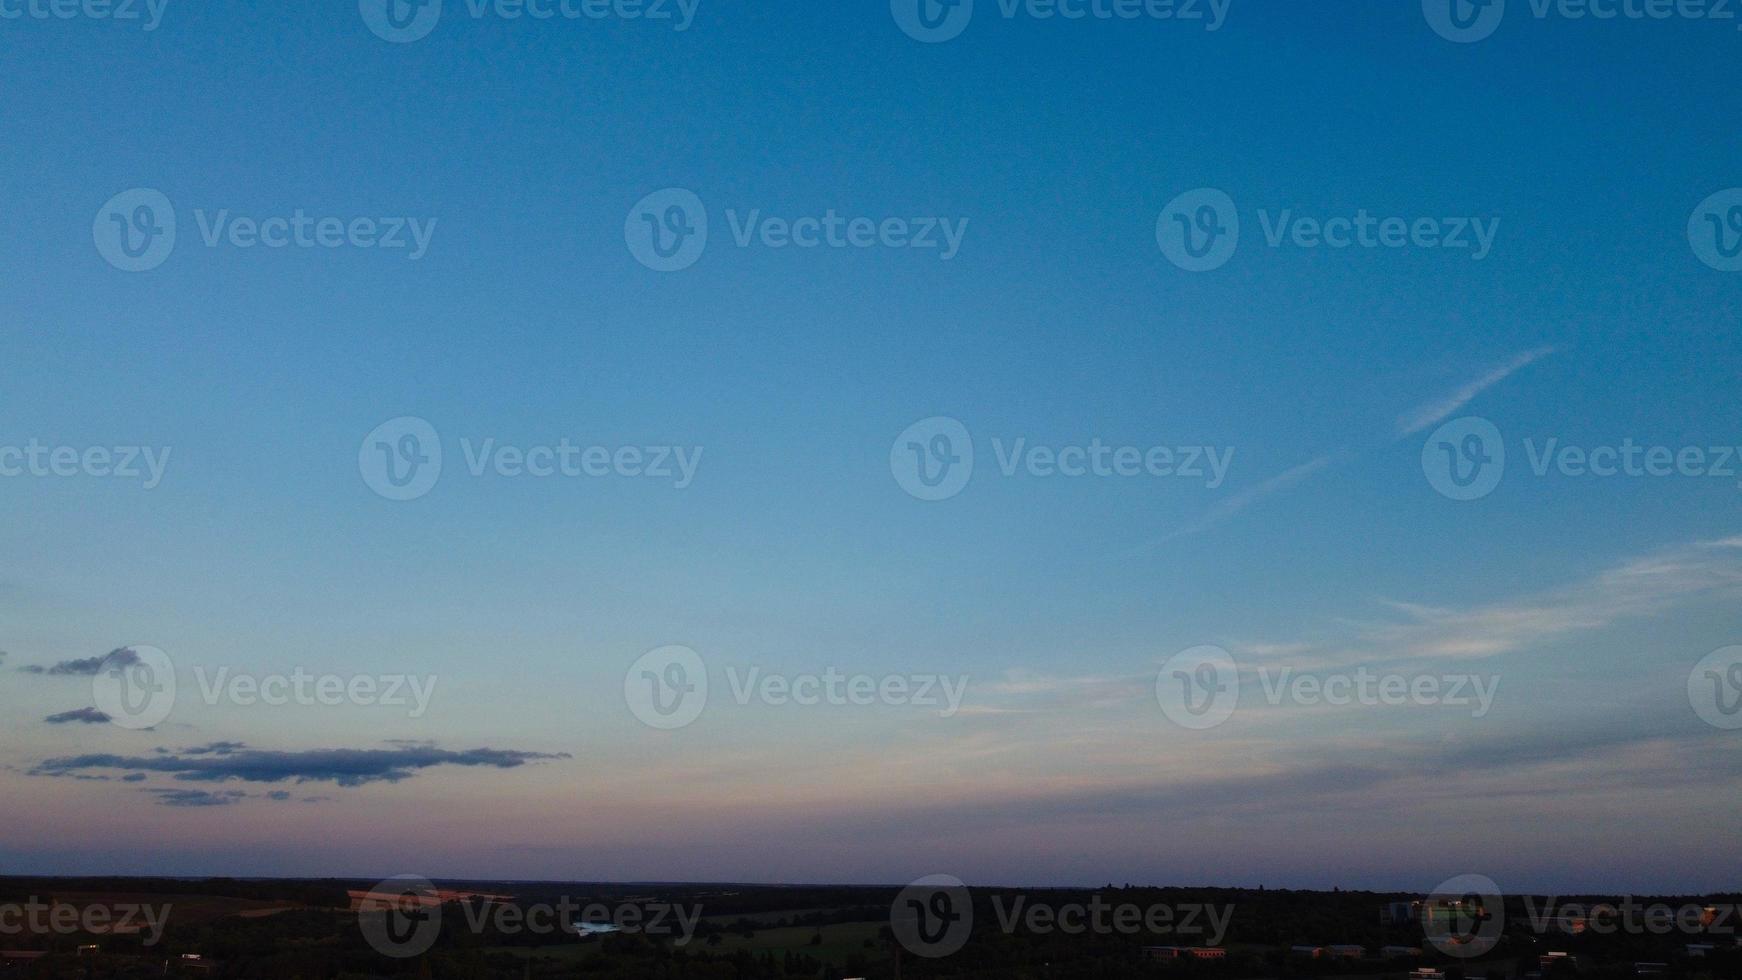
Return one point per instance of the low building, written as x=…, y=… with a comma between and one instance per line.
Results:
x=1185, y=952
x=1307, y=952
x=1398, y=952
x=1346, y=952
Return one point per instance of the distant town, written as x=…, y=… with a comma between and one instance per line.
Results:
x=932, y=928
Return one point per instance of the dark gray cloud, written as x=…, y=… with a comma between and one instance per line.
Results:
x=343, y=767
x=88, y=716
x=87, y=667
x=214, y=748
x=196, y=797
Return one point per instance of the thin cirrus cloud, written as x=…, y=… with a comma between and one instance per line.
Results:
x=1428, y=413
x=1632, y=589
x=342, y=767
x=1409, y=423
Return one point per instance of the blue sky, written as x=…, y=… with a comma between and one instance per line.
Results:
x=1060, y=321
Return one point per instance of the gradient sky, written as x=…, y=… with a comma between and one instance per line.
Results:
x=1059, y=322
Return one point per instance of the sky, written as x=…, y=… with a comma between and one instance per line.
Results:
x=797, y=385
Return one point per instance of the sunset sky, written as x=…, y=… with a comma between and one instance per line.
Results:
x=795, y=549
